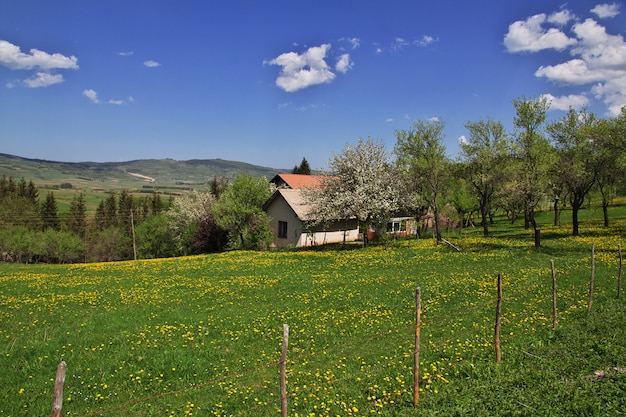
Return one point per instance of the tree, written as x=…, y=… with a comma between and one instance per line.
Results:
x=155, y=237
x=575, y=164
x=193, y=224
x=125, y=204
x=110, y=244
x=19, y=203
x=361, y=184
x=485, y=153
x=49, y=213
x=240, y=211
x=77, y=222
x=303, y=169
x=218, y=186
x=534, y=154
x=421, y=156
x=609, y=138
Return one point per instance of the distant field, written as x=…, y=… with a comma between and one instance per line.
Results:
x=202, y=335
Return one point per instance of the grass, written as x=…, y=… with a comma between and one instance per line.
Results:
x=202, y=335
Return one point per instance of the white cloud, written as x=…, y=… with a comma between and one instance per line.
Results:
x=530, y=36
x=560, y=18
x=43, y=79
x=151, y=64
x=597, y=58
x=424, y=41
x=575, y=101
x=604, y=11
x=354, y=42
x=463, y=140
x=12, y=57
x=399, y=44
x=303, y=70
x=344, y=63
x=91, y=95
x=389, y=120
x=125, y=53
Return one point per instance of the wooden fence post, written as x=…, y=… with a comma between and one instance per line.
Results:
x=619, y=275
x=593, y=275
x=418, y=327
x=283, y=372
x=57, y=400
x=496, y=336
x=554, y=313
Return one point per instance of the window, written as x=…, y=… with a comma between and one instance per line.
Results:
x=396, y=225
x=282, y=229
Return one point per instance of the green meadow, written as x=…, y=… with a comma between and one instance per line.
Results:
x=202, y=335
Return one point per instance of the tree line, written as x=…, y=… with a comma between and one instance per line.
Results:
x=560, y=162
x=125, y=226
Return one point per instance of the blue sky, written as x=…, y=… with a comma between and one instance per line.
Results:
x=269, y=83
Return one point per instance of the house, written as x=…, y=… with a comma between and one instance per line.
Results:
x=289, y=215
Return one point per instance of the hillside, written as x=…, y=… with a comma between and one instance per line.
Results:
x=138, y=174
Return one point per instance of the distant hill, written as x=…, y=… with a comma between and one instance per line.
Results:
x=138, y=174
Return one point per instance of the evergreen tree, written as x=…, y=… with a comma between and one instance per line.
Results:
x=303, y=169
x=124, y=211
x=110, y=211
x=78, y=216
x=218, y=186
x=156, y=205
x=49, y=213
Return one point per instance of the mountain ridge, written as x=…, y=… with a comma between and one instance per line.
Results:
x=127, y=174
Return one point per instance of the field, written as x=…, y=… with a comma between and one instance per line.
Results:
x=202, y=335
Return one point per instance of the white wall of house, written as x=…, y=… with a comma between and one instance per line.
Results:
x=279, y=211
x=282, y=215
x=339, y=232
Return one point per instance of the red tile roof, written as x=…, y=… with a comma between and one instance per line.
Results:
x=298, y=181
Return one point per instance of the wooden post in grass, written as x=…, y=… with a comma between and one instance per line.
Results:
x=283, y=372
x=496, y=336
x=57, y=400
x=554, y=316
x=416, y=365
x=593, y=275
x=619, y=275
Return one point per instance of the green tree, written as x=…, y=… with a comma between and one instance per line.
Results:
x=534, y=153
x=420, y=154
x=59, y=246
x=609, y=138
x=240, y=211
x=485, y=153
x=575, y=163
x=19, y=203
x=217, y=186
x=108, y=245
x=50, y=213
x=77, y=222
x=155, y=238
x=110, y=211
x=125, y=214
x=303, y=168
